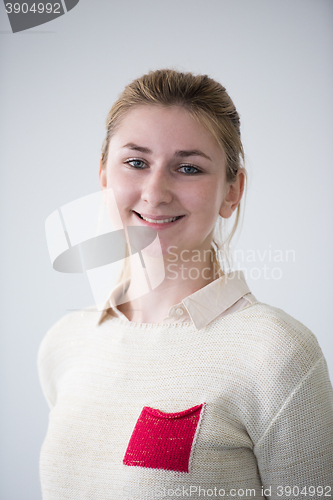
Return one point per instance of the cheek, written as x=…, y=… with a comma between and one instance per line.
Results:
x=125, y=192
x=205, y=202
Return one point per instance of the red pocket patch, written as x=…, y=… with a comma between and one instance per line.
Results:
x=163, y=440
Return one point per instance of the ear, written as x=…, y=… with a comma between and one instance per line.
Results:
x=102, y=179
x=233, y=195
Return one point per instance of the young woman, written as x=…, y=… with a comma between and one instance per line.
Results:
x=194, y=389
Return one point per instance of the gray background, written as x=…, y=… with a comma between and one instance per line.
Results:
x=58, y=82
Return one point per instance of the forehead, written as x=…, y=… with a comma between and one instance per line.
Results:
x=164, y=126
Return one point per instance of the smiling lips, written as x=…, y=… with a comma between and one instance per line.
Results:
x=158, y=219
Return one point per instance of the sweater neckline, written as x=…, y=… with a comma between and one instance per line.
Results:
x=181, y=325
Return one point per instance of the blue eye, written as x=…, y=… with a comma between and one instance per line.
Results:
x=190, y=170
x=134, y=163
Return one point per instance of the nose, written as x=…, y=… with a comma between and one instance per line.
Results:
x=157, y=189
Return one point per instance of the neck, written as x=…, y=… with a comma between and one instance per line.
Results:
x=181, y=280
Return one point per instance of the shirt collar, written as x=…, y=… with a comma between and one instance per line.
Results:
x=204, y=305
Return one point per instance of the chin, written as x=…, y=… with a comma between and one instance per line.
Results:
x=155, y=250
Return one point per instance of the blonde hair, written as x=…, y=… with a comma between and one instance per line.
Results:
x=208, y=102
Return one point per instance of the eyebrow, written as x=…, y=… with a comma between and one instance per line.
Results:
x=182, y=152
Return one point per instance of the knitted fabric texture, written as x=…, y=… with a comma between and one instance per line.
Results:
x=267, y=421
x=163, y=440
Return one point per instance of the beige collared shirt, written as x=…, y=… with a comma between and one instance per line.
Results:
x=223, y=296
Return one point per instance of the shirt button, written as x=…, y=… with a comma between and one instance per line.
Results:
x=179, y=311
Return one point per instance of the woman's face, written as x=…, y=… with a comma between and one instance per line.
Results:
x=168, y=172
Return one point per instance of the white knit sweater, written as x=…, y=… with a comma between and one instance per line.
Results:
x=266, y=424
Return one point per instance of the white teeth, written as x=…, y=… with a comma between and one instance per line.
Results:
x=162, y=221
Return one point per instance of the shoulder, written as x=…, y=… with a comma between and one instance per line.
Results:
x=66, y=330
x=274, y=336
x=271, y=320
